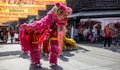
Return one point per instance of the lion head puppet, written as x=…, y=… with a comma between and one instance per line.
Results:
x=61, y=12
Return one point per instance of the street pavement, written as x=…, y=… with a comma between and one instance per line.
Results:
x=86, y=57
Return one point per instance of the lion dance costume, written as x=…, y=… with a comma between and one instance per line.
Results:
x=54, y=48
x=39, y=31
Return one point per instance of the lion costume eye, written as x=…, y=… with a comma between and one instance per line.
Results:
x=60, y=12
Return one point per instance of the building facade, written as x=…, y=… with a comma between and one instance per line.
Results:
x=105, y=11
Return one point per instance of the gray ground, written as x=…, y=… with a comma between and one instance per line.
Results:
x=86, y=57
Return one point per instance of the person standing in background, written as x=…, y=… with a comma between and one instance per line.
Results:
x=5, y=35
x=107, y=35
x=80, y=34
x=75, y=35
x=12, y=35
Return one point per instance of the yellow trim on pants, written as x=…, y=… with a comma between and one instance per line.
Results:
x=54, y=38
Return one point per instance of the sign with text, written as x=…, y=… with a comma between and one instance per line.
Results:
x=20, y=15
x=8, y=19
x=24, y=6
x=18, y=10
x=31, y=2
x=49, y=2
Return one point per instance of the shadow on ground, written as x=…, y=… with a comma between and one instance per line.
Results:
x=32, y=67
x=8, y=53
x=2, y=43
x=24, y=55
x=83, y=49
x=56, y=67
x=14, y=53
x=114, y=48
x=69, y=53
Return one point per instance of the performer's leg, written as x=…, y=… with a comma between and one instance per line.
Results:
x=105, y=41
x=35, y=54
x=109, y=41
x=54, y=52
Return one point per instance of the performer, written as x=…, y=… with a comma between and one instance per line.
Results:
x=34, y=47
x=54, y=48
x=61, y=32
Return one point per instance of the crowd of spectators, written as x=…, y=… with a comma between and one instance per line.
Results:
x=91, y=31
x=5, y=33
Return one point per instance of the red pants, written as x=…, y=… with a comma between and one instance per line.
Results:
x=54, y=52
x=35, y=53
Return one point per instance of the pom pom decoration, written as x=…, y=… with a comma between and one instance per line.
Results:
x=57, y=4
x=69, y=11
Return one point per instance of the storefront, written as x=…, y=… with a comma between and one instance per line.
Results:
x=90, y=18
x=105, y=17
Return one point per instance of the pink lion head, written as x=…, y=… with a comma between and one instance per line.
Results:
x=61, y=13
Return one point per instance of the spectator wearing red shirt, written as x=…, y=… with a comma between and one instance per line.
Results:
x=107, y=35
